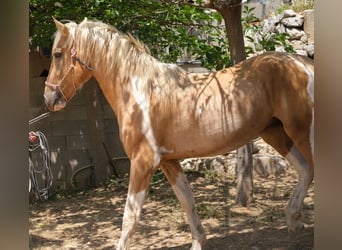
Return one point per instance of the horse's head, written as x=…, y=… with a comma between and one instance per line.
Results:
x=67, y=72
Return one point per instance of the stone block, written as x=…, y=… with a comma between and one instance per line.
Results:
x=111, y=126
x=43, y=127
x=65, y=127
x=114, y=145
x=77, y=112
x=108, y=113
x=56, y=143
x=67, y=162
x=58, y=116
x=74, y=142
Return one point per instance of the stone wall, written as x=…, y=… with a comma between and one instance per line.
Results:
x=300, y=28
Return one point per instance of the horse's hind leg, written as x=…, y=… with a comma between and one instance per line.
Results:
x=140, y=177
x=176, y=177
x=299, y=155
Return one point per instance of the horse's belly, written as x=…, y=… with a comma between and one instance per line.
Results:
x=199, y=142
x=214, y=126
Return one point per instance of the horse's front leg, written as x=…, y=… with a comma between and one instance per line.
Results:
x=140, y=176
x=176, y=177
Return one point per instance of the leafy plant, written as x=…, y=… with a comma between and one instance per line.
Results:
x=167, y=29
x=262, y=41
x=281, y=8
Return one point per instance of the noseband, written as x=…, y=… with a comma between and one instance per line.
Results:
x=74, y=59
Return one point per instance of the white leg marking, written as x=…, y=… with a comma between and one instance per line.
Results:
x=186, y=198
x=294, y=206
x=131, y=216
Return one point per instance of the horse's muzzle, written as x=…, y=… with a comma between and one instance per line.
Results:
x=54, y=100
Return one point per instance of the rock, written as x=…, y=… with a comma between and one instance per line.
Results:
x=297, y=44
x=287, y=13
x=310, y=49
x=301, y=52
x=270, y=24
x=295, y=34
x=293, y=22
x=287, y=22
x=280, y=28
x=187, y=164
x=304, y=38
x=266, y=165
x=218, y=165
x=280, y=48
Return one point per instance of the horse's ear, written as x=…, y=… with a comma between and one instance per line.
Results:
x=61, y=27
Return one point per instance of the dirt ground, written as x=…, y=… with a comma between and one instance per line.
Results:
x=92, y=219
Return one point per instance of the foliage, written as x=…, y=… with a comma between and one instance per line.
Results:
x=266, y=41
x=167, y=29
x=281, y=8
x=301, y=5
x=297, y=6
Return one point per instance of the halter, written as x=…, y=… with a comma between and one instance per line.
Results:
x=74, y=58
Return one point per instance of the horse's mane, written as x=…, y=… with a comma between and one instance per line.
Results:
x=117, y=51
x=107, y=40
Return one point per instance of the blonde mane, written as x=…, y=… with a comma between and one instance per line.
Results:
x=102, y=45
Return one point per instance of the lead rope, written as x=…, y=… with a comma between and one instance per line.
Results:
x=40, y=174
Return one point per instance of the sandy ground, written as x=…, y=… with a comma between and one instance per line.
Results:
x=92, y=219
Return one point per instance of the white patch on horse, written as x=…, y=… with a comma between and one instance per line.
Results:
x=143, y=100
x=305, y=177
x=310, y=89
x=131, y=216
x=165, y=150
x=135, y=202
x=185, y=197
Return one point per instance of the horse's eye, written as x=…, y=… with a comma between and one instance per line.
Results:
x=58, y=54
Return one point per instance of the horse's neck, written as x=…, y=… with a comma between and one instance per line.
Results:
x=133, y=71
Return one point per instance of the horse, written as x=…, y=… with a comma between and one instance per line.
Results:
x=166, y=114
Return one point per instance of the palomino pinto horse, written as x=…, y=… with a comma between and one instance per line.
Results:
x=166, y=114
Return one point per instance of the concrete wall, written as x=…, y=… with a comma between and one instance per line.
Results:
x=67, y=132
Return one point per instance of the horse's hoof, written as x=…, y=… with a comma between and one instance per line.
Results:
x=297, y=231
x=198, y=244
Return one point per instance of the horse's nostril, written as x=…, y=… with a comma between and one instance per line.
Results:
x=55, y=101
x=48, y=102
